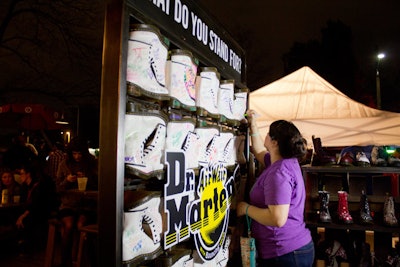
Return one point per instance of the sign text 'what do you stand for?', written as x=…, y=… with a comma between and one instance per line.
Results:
x=200, y=30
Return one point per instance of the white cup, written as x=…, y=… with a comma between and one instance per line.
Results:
x=82, y=181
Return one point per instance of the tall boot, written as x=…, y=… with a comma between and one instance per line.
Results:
x=147, y=57
x=207, y=88
x=181, y=137
x=225, y=147
x=321, y=157
x=142, y=208
x=343, y=209
x=324, y=215
x=180, y=78
x=226, y=99
x=145, y=135
x=240, y=104
x=365, y=214
x=389, y=217
x=207, y=152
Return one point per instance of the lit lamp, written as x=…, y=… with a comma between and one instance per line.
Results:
x=378, y=81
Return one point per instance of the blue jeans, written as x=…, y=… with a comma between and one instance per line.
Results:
x=302, y=257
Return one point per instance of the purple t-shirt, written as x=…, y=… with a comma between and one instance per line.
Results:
x=280, y=183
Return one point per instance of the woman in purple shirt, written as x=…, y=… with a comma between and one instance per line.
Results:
x=278, y=196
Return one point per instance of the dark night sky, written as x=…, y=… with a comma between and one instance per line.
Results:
x=273, y=27
x=270, y=28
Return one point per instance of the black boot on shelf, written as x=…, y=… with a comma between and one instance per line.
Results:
x=363, y=257
x=365, y=214
x=321, y=157
x=324, y=215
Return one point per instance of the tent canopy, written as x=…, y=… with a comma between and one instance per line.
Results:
x=317, y=108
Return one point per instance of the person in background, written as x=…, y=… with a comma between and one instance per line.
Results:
x=277, y=198
x=19, y=154
x=37, y=192
x=78, y=163
x=56, y=156
x=8, y=182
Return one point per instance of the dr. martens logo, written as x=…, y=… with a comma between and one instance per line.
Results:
x=202, y=211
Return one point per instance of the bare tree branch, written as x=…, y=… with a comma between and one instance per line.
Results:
x=51, y=46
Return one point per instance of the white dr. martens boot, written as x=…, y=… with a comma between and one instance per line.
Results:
x=145, y=135
x=147, y=56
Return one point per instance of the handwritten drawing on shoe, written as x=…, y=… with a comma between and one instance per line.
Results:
x=145, y=135
x=146, y=60
x=207, y=88
x=181, y=71
x=142, y=208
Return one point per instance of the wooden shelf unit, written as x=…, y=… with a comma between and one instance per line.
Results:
x=376, y=181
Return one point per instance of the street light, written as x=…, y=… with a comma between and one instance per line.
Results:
x=378, y=81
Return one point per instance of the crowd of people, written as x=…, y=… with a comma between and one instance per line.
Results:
x=37, y=185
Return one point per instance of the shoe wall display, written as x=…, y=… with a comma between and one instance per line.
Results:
x=177, y=105
x=172, y=143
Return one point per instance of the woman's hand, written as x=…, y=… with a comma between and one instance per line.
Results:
x=251, y=115
x=71, y=178
x=20, y=220
x=241, y=208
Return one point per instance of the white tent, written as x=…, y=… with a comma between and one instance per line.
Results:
x=317, y=108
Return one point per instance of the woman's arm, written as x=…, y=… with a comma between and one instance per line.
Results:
x=64, y=177
x=20, y=221
x=257, y=143
x=274, y=215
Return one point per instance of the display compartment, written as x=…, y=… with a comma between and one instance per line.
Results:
x=377, y=183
